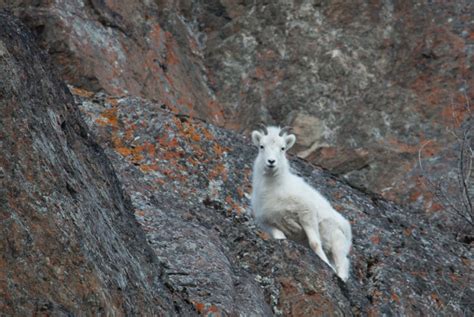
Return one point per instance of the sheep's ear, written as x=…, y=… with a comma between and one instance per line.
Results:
x=256, y=137
x=290, y=141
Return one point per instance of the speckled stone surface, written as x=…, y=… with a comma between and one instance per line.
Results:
x=366, y=84
x=189, y=182
x=121, y=205
x=69, y=243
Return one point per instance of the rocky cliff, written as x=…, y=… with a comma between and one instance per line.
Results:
x=189, y=182
x=369, y=86
x=122, y=200
x=69, y=242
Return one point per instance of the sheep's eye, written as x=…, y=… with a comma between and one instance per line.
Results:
x=261, y=146
x=282, y=148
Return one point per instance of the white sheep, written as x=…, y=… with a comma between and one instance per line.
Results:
x=285, y=206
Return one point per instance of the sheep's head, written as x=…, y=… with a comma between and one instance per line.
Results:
x=273, y=143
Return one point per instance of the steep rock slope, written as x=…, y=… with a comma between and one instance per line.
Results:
x=365, y=84
x=69, y=243
x=67, y=227
x=189, y=185
x=121, y=48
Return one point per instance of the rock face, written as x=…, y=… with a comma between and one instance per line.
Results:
x=69, y=243
x=189, y=182
x=116, y=205
x=120, y=47
x=367, y=85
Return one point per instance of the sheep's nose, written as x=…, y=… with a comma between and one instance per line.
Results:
x=271, y=162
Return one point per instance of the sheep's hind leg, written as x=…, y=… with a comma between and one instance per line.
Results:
x=276, y=233
x=314, y=240
x=340, y=249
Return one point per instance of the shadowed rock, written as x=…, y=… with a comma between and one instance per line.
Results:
x=69, y=243
x=120, y=47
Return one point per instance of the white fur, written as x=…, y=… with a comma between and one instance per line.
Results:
x=285, y=206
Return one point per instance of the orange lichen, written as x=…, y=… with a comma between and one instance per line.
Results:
x=129, y=133
x=213, y=309
x=171, y=58
x=183, y=144
x=173, y=143
x=218, y=149
x=178, y=123
x=419, y=273
x=219, y=171
x=427, y=147
x=437, y=300
x=454, y=277
x=170, y=155
x=233, y=205
x=263, y=235
x=375, y=239
x=109, y=117
x=81, y=92
x=191, y=134
x=207, y=134
x=395, y=298
x=259, y=73
x=373, y=312
x=216, y=112
x=415, y=195
x=435, y=207
x=139, y=213
x=149, y=167
x=112, y=101
x=199, y=306
x=150, y=149
x=229, y=200
x=123, y=150
x=155, y=35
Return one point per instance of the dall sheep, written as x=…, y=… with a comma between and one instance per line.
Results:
x=285, y=206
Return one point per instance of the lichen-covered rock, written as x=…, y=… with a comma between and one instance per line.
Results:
x=368, y=84
x=120, y=47
x=69, y=243
x=189, y=182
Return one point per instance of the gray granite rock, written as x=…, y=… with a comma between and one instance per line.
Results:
x=75, y=182
x=69, y=243
x=189, y=182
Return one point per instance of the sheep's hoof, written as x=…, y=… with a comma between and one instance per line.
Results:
x=344, y=277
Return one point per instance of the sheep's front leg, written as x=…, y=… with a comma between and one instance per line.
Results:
x=314, y=239
x=276, y=233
